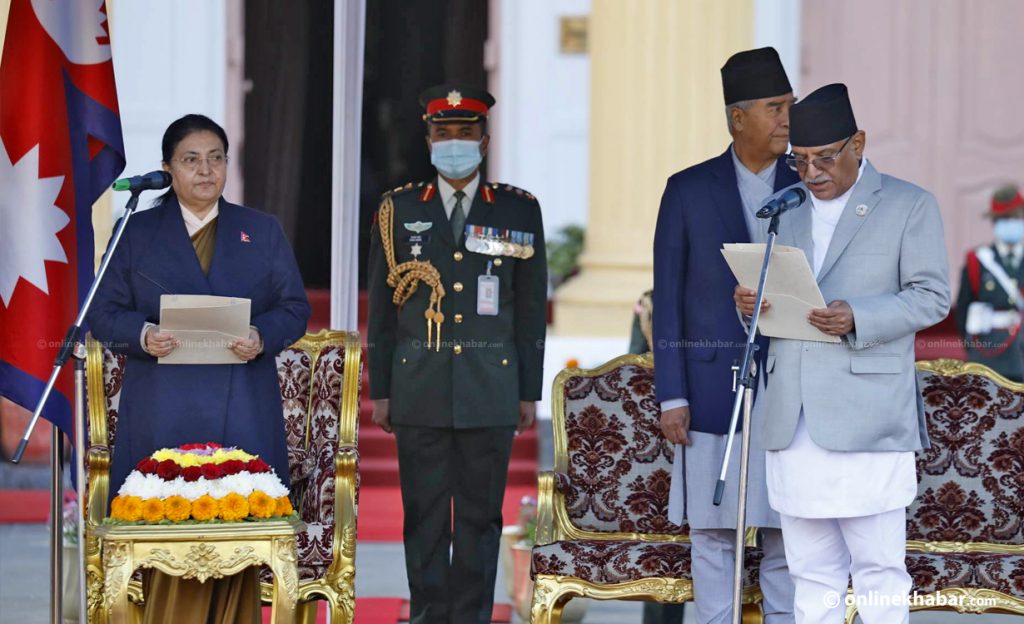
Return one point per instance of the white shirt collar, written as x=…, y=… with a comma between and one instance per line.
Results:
x=1009, y=252
x=838, y=203
x=193, y=223
x=448, y=194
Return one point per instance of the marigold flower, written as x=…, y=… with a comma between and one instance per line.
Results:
x=152, y=510
x=177, y=508
x=131, y=508
x=261, y=505
x=117, y=508
x=284, y=506
x=205, y=508
x=234, y=507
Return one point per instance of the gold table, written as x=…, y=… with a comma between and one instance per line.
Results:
x=201, y=552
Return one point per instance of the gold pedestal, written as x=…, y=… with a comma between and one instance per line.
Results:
x=201, y=552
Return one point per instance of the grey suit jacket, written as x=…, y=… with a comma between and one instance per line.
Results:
x=890, y=265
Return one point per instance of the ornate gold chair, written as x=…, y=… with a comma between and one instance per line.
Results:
x=965, y=529
x=602, y=525
x=320, y=379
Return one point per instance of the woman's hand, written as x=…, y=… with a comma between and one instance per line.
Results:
x=160, y=344
x=247, y=348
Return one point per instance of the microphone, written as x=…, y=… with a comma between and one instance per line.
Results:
x=787, y=201
x=152, y=181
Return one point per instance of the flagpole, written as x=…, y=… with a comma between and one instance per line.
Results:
x=56, y=526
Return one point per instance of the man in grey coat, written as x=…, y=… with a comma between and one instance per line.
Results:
x=843, y=420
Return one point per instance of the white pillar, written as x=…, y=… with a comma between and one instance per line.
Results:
x=349, y=32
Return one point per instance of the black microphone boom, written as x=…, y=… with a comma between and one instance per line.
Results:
x=152, y=181
x=787, y=201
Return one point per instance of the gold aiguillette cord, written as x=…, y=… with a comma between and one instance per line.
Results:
x=405, y=277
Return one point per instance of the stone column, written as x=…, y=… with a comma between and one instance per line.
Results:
x=656, y=108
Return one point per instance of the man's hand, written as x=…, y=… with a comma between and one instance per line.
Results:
x=381, y=415
x=527, y=415
x=835, y=320
x=745, y=299
x=160, y=344
x=675, y=424
x=247, y=348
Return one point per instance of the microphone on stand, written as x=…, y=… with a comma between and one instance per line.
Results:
x=787, y=201
x=152, y=181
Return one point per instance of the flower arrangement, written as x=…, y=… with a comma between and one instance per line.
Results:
x=200, y=483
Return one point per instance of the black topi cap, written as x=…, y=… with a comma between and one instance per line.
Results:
x=753, y=75
x=450, y=102
x=822, y=118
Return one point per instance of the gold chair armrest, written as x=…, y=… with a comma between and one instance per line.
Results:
x=548, y=497
x=98, y=462
x=346, y=470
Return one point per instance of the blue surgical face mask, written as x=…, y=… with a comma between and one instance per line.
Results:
x=455, y=158
x=1010, y=231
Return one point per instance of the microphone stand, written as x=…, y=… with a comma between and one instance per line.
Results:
x=745, y=399
x=71, y=347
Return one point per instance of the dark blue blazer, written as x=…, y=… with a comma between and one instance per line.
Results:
x=697, y=334
x=169, y=405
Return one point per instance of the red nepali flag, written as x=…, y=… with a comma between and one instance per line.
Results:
x=60, y=133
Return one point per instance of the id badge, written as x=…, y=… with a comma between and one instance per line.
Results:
x=487, y=295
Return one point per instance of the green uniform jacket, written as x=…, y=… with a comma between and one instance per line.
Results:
x=486, y=364
x=1007, y=361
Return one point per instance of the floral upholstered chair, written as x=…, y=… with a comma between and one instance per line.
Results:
x=602, y=526
x=965, y=529
x=320, y=379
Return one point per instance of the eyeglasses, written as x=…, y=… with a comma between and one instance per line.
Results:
x=192, y=162
x=821, y=162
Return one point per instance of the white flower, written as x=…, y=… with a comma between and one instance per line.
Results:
x=195, y=489
x=143, y=486
x=270, y=484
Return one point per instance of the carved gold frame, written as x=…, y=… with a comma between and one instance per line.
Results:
x=551, y=592
x=338, y=584
x=972, y=597
x=200, y=552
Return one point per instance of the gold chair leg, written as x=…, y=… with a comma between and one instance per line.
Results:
x=752, y=614
x=342, y=609
x=305, y=612
x=548, y=601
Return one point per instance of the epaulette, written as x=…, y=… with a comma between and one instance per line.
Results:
x=512, y=190
x=402, y=189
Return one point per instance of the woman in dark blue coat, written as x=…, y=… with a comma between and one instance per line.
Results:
x=195, y=242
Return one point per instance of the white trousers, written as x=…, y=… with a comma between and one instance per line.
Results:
x=713, y=555
x=823, y=553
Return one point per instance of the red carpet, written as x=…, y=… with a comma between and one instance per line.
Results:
x=368, y=611
x=380, y=511
x=24, y=506
x=390, y=611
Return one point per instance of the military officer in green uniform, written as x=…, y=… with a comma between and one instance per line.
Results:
x=988, y=309
x=458, y=314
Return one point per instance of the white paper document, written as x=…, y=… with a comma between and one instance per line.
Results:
x=205, y=325
x=790, y=288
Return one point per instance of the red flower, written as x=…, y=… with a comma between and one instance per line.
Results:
x=147, y=466
x=192, y=473
x=212, y=471
x=168, y=470
x=199, y=446
x=257, y=465
x=232, y=466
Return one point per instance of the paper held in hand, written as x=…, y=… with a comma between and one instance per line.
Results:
x=205, y=325
x=790, y=288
